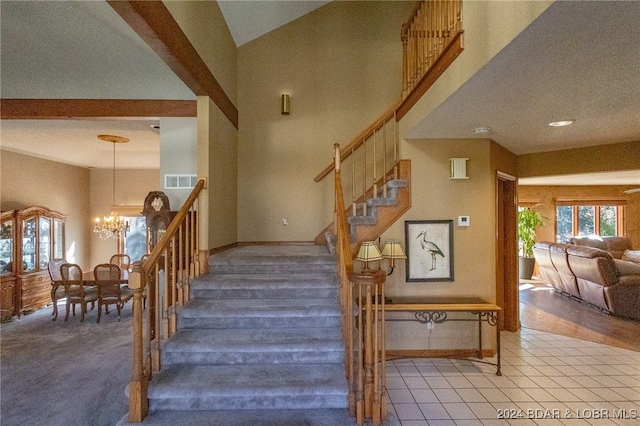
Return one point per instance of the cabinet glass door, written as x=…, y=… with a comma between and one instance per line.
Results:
x=58, y=239
x=29, y=244
x=45, y=243
x=6, y=247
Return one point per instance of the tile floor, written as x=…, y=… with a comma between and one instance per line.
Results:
x=546, y=379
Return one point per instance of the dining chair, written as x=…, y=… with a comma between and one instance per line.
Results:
x=75, y=290
x=57, y=289
x=122, y=260
x=110, y=291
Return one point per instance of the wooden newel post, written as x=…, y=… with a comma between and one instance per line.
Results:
x=371, y=280
x=138, y=401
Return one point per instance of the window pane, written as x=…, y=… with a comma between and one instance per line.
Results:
x=608, y=219
x=586, y=220
x=564, y=220
x=135, y=242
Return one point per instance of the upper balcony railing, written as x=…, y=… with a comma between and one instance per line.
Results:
x=431, y=28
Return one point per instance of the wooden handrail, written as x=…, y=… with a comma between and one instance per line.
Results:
x=431, y=40
x=359, y=140
x=365, y=363
x=173, y=226
x=176, y=255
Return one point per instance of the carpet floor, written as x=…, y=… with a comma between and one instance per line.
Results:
x=65, y=373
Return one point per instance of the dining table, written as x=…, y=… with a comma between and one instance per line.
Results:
x=88, y=280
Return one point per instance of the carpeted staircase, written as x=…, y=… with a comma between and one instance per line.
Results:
x=371, y=218
x=259, y=343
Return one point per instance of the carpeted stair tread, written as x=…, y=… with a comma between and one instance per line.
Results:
x=362, y=220
x=266, y=417
x=213, y=307
x=275, y=255
x=259, y=281
x=260, y=286
x=397, y=183
x=382, y=201
x=245, y=340
x=193, y=381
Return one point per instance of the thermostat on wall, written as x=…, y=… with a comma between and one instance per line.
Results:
x=463, y=220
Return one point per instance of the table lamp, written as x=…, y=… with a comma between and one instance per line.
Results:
x=393, y=250
x=368, y=253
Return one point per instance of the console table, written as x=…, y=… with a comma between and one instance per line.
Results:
x=434, y=310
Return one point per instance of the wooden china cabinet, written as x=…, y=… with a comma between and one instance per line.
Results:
x=40, y=238
x=7, y=264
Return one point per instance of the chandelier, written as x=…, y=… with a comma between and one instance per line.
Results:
x=112, y=226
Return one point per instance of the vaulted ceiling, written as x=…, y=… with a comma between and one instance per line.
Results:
x=578, y=60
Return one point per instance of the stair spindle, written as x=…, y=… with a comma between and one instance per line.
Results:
x=375, y=183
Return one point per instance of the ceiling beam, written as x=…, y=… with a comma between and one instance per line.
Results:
x=60, y=109
x=153, y=22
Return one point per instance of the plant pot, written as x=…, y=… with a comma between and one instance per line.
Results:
x=527, y=264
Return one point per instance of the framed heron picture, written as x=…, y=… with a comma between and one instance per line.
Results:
x=429, y=245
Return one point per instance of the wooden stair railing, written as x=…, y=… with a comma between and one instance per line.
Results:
x=371, y=160
x=431, y=40
x=364, y=343
x=432, y=26
x=163, y=278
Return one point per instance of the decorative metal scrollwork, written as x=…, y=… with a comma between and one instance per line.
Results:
x=424, y=317
x=490, y=317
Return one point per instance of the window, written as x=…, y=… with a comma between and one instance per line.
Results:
x=586, y=219
x=135, y=241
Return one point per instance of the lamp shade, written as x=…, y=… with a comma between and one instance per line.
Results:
x=393, y=250
x=368, y=252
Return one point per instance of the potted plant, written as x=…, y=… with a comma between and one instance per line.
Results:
x=529, y=219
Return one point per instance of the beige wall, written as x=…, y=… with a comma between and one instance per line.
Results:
x=178, y=154
x=218, y=162
x=546, y=197
x=28, y=181
x=132, y=186
x=216, y=140
x=205, y=27
x=341, y=65
x=611, y=157
x=434, y=196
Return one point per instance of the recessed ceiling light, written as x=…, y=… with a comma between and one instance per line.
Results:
x=481, y=130
x=561, y=123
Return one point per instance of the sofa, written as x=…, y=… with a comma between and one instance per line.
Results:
x=591, y=275
x=616, y=246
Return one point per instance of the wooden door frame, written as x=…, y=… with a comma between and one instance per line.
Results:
x=507, y=292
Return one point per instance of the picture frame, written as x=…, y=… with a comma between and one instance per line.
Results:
x=429, y=247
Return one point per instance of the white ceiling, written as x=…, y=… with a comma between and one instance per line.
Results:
x=579, y=60
x=248, y=20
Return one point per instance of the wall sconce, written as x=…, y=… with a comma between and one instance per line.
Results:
x=458, y=168
x=369, y=252
x=285, y=104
